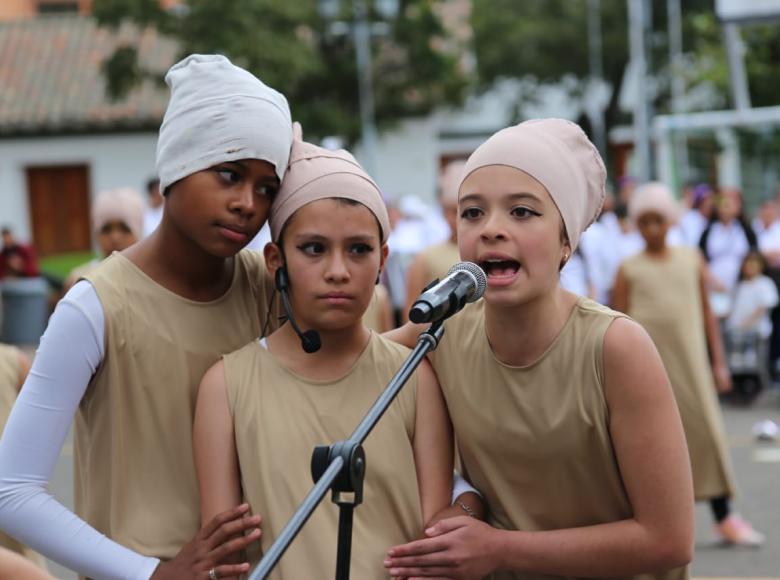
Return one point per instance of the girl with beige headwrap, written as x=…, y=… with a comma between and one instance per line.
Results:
x=664, y=289
x=269, y=404
x=126, y=348
x=561, y=408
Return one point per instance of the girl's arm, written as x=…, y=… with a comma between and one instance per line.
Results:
x=650, y=447
x=720, y=369
x=433, y=445
x=620, y=292
x=16, y=567
x=216, y=459
x=213, y=440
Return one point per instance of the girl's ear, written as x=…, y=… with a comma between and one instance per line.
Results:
x=273, y=258
x=383, y=253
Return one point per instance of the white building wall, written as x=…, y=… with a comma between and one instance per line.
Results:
x=113, y=160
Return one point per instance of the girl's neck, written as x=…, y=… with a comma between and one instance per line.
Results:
x=181, y=266
x=519, y=335
x=658, y=252
x=339, y=351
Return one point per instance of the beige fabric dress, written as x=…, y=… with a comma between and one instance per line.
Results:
x=535, y=440
x=9, y=382
x=279, y=417
x=135, y=476
x=439, y=259
x=665, y=297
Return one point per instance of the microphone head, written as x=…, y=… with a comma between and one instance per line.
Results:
x=479, y=278
x=310, y=341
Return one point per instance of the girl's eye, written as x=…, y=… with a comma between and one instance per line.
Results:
x=266, y=190
x=312, y=248
x=228, y=175
x=471, y=213
x=523, y=212
x=361, y=249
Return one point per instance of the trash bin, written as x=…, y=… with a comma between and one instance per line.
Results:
x=25, y=303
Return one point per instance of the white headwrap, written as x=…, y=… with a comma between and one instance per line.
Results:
x=219, y=112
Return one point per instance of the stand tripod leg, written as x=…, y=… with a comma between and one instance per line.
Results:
x=345, y=541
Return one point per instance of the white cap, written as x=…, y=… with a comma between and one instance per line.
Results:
x=219, y=112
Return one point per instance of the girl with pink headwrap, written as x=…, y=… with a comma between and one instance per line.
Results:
x=562, y=411
x=270, y=403
x=117, y=222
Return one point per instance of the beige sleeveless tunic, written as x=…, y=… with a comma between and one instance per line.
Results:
x=373, y=317
x=135, y=474
x=279, y=417
x=535, y=440
x=665, y=298
x=439, y=259
x=9, y=381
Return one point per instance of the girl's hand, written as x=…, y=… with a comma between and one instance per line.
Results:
x=722, y=378
x=458, y=548
x=225, y=535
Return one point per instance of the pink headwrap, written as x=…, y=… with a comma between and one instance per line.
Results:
x=653, y=197
x=557, y=154
x=124, y=204
x=315, y=173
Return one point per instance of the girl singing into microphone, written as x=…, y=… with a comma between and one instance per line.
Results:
x=562, y=412
x=262, y=409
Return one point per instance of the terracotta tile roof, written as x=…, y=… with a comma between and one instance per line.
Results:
x=51, y=79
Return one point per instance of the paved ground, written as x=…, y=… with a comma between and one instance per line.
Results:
x=757, y=466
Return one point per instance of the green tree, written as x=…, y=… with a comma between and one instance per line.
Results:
x=288, y=45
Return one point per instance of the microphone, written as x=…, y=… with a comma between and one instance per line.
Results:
x=310, y=340
x=465, y=282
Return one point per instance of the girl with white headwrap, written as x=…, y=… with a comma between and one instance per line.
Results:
x=271, y=403
x=126, y=348
x=561, y=408
x=664, y=289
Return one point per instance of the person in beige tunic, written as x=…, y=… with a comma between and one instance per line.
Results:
x=126, y=348
x=563, y=415
x=263, y=409
x=117, y=223
x=435, y=262
x=663, y=288
x=14, y=366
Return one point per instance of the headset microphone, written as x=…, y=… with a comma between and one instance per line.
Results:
x=310, y=340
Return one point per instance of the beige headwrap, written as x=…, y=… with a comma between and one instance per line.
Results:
x=315, y=173
x=449, y=181
x=653, y=197
x=219, y=112
x=124, y=204
x=558, y=154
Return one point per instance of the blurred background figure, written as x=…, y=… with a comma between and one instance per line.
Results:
x=725, y=242
x=748, y=326
x=576, y=276
x=117, y=222
x=436, y=260
x=662, y=288
x=17, y=260
x=695, y=219
x=154, y=206
x=14, y=366
x=766, y=217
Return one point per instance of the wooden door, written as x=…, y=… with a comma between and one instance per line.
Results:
x=59, y=208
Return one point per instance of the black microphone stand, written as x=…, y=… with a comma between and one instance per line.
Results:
x=341, y=468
